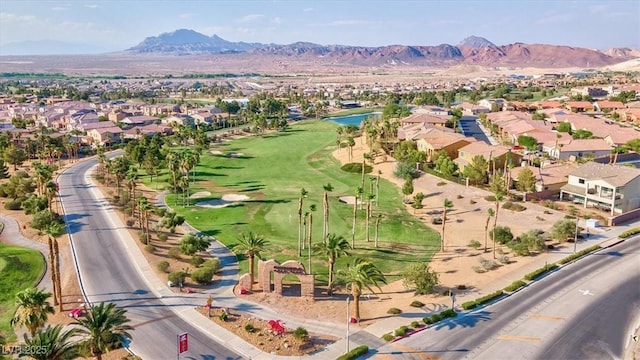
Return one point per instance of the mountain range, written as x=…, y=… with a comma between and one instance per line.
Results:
x=472, y=50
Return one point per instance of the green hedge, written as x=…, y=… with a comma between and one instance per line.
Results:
x=579, y=254
x=449, y=313
x=355, y=353
x=629, y=233
x=485, y=299
x=515, y=286
x=536, y=274
x=469, y=305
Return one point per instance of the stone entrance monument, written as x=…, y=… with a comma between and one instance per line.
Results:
x=279, y=271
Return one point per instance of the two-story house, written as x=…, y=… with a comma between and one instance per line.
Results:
x=613, y=188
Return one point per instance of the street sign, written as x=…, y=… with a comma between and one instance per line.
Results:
x=183, y=343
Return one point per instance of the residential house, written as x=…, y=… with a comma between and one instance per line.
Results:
x=580, y=148
x=548, y=178
x=105, y=136
x=139, y=120
x=498, y=154
x=434, y=140
x=471, y=109
x=579, y=106
x=493, y=104
x=419, y=118
x=608, y=187
x=608, y=106
x=431, y=110
x=178, y=119
x=547, y=104
x=116, y=116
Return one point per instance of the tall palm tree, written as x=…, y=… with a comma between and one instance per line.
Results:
x=378, y=219
x=355, y=214
x=104, y=328
x=333, y=248
x=251, y=245
x=447, y=204
x=312, y=208
x=303, y=194
x=131, y=177
x=53, y=344
x=359, y=275
x=50, y=191
x=325, y=208
x=490, y=214
x=499, y=196
x=33, y=309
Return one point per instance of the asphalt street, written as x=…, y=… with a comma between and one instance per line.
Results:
x=584, y=311
x=108, y=274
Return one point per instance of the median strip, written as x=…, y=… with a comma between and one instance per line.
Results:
x=519, y=338
x=546, y=317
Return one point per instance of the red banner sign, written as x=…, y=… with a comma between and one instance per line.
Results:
x=183, y=343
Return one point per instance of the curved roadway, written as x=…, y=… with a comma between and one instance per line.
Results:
x=585, y=311
x=108, y=274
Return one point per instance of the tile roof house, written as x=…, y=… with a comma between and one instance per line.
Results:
x=579, y=106
x=472, y=109
x=550, y=177
x=497, y=153
x=580, y=148
x=422, y=118
x=608, y=187
x=104, y=136
x=607, y=106
x=433, y=140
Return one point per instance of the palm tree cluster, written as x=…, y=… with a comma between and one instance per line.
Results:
x=100, y=328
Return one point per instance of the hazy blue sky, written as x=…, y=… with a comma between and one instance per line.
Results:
x=119, y=24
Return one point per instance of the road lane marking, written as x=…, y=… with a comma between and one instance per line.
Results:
x=416, y=352
x=519, y=338
x=586, y=292
x=546, y=317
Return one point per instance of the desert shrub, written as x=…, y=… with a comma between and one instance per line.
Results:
x=436, y=317
x=388, y=337
x=579, y=254
x=301, y=333
x=355, y=353
x=144, y=238
x=249, y=328
x=462, y=287
x=356, y=168
x=490, y=198
x=459, y=196
x=128, y=211
x=202, y=275
x=441, y=183
x=13, y=205
x=177, y=277
x=472, y=202
x=212, y=263
x=469, y=305
x=427, y=320
x=223, y=316
x=163, y=266
x=449, y=313
x=394, y=311
x=175, y=252
x=415, y=324
x=417, y=304
x=163, y=237
x=629, y=233
x=196, y=260
x=150, y=248
x=515, y=286
x=485, y=299
x=488, y=264
x=420, y=277
x=475, y=244
x=547, y=212
x=504, y=259
x=401, y=331
x=539, y=272
x=503, y=234
x=513, y=206
x=160, y=211
x=478, y=269
x=130, y=222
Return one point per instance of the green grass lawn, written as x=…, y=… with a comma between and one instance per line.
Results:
x=271, y=171
x=20, y=268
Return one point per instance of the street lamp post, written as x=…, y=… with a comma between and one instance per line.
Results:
x=575, y=236
x=348, y=322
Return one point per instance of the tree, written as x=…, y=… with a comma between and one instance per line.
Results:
x=355, y=215
x=251, y=245
x=497, y=184
x=53, y=344
x=563, y=230
x=417, y=201
x=191, y=244
x=325, y=208
x=498, y=197
x=444, y=165
x=375, y=239
x=15, y=156
x=501, y=234
x=528, y=142
x=477, y=170
x=490, y=214
x=303, y=194
x=104, y=327
x=446, y=205
x=526, y=180
x=33, y=309
x=359, y=275
x=312, y=209
x=333, y=248
x=582, y=134
x=407, y=187
x=564, y=127
x=420, y=277
x=4, y=171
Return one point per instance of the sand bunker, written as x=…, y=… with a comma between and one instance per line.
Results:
x=235, y=154
x=348, y=199
x=216, y=152
x=226, y=200
x=200, y=195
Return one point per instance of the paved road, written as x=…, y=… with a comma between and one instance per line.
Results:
x=109, y=274
x=587, y=310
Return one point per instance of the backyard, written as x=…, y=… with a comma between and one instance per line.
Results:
x=270, y=171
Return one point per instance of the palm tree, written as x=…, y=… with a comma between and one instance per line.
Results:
x=33, y=309
x=105, y=327
x=50, y=191
x=303, y=194
x=312, y=208
x=490, y=214
x=378, y=219
x=333, y=248
x=251, y=245
x=53, y=343
x=325, y=208
x=499, y=198
x=355, y=214
x=361, y=274
x=445, y=206
x=131, y=177
x=351, y=143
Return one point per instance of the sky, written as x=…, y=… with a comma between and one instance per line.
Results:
x=119, y=24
